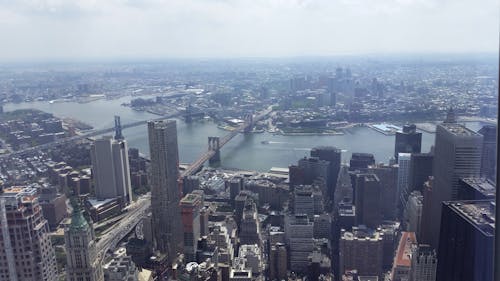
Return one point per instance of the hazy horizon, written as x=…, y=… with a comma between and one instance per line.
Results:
x=79, y=30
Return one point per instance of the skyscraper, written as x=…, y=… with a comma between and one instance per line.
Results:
x=343, y=191
x=408, y=141
x=404, y=160
x=332, y=155
x=467, y=234
x=190, y=210
x=368, y=210
x=420, y=170
x=110, y=168
x=81, y=252
x=299, y=231
x=165, y=189
x=388, y=176
x=457, y=154
x=489, y=161
x=26, y=250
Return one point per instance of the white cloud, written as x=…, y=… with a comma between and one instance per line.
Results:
x=73, y=29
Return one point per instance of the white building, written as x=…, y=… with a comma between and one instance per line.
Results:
x=110, y=168
x=404, y=160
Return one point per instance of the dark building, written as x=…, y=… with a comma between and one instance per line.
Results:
x=368, y=204
x=476, y=189
x=314, y=169
x=332, y=155
x=361, y=161
x=488, y=159
x=408, y=141
x=457, y=154
x=388, y=176
x=466, y=241
x=420, y=170
x=296, y=176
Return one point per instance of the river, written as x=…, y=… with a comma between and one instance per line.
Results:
x=244, y=151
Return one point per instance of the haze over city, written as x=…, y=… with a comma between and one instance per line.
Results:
x=75, y=30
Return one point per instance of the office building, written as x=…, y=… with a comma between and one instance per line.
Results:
x=81, y=253
x=165, y=190
x=368, y=204
x=388, y=176
x=26, y=250
x=361, y=249
x=332, y=155
x=404, y=160
x=253, y=258
x=278, y=262
x=413, y=213
x=420, y=170
x=316, y=170
x=423, y=263
x=390, y=231
x=361, y=161
x=343, y=191
x=467, y=232
x=457, y=155
x=476, y=189
x=323, y=226
x=53, y=205
x=299, y=231
x=120, y=268
x=408, y=141
x=303, y=200
x=488, y=158
x=110, y=169
x=402, y=261
x=249, y=231
x=190, y=212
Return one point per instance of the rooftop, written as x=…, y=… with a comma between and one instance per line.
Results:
x=479, y=213
x=482, y=185
x=403, y=254
x=459, y=129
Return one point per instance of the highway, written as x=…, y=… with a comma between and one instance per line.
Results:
x=136, y=211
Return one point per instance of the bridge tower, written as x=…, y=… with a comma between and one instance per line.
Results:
x=118, y=128
x=249, y=122
x=214, y=145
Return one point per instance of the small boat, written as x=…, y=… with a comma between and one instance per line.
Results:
x=264, y=142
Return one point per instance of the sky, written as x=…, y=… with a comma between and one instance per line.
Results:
x=150, y=29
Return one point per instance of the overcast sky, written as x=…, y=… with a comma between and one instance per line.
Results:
x=135, y=29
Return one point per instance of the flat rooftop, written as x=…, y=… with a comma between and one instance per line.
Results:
x=403, y=254
x=459, y=129
x=479, y=213
x=482, y=185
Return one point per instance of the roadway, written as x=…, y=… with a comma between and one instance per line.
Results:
x=136, y=211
